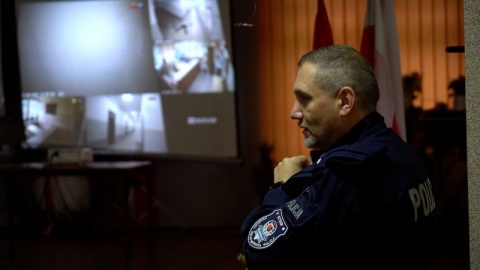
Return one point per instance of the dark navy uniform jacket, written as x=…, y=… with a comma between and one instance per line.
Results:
x=366, y=203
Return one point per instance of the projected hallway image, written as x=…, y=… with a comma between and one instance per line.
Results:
x=126, y=122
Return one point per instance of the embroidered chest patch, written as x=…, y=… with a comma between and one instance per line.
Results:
x=267, y=230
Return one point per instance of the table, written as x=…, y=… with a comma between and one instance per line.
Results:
x=129, y=171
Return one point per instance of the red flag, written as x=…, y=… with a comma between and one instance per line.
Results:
x=380, y=47
x=322, y=35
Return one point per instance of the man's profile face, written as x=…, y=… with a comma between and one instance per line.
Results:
x=316, y=112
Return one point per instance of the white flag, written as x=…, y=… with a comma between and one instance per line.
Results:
x=380, y=47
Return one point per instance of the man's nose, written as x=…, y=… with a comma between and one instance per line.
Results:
x=296, y=113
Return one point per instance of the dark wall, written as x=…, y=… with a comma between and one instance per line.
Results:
x=10, y=63
x=192, y=193
x=11, y=126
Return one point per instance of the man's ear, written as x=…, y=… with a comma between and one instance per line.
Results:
x=347, y=99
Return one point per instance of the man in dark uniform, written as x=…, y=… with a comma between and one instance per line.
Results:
x=363, y=201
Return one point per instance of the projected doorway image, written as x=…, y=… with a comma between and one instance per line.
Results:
x=125, y=122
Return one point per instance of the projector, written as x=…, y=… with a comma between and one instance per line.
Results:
x=69, y=155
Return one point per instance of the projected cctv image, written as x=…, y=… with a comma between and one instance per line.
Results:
x=125, y=122
x=190, y=49
x=53, y=120
x=80, y=48
x=131, y=72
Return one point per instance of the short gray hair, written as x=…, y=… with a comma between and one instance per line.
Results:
x=341, y=65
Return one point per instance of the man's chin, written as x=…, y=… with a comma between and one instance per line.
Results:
x=309, y=142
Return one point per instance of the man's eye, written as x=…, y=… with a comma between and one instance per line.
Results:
x=303, y=97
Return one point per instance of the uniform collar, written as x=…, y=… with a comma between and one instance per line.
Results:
x=371, y=123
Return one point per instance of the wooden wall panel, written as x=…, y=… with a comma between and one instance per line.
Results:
x=411, y=60
x=285, y=88
x=337, y=21
x=426, y=52
x=439, y=53
x=352, y=35
x=425, y=29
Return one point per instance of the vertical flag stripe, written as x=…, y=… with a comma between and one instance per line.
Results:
x=322, y=35
x=380, y=47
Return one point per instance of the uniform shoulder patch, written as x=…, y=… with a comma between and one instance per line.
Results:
x=267, y=230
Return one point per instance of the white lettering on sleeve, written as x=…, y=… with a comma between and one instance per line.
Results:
x=422, y=196
x=415, y=197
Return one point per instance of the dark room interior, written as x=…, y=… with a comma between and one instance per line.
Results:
x=159, y=210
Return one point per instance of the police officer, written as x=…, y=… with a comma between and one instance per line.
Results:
x=362, y=201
